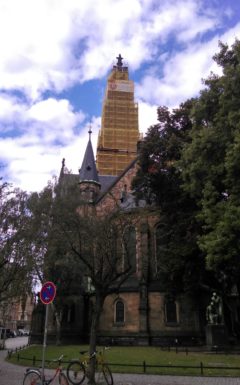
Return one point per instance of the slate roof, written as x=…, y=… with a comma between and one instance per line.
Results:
x=88, y=171
x=106, y=181
x=115, y=179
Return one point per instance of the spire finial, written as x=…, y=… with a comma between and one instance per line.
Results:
x=90, y=131
x=63, y=167
x=119, y=60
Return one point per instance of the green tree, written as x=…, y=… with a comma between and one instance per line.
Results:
x=98, y=245
x=50, y=257
x=210, y=167
x=14, y=272
x=15, y=276
x=158, y=181
x=70, y=245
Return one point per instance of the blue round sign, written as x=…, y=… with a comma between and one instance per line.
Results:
x=47, y=293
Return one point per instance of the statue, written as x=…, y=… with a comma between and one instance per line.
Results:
x=211, y=313
x=214, y=311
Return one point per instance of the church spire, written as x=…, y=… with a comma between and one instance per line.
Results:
x=88, y=171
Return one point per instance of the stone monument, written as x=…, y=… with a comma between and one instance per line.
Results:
x=216, y=335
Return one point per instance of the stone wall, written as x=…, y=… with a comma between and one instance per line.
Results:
x=131, y=324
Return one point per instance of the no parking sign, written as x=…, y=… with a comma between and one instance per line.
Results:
x=48, y=292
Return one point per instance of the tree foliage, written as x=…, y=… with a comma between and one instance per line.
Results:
x=159, y=181
x=210, y=164
x=80, y=252
x=50, y=257
x=189, y=166
x=15, y=278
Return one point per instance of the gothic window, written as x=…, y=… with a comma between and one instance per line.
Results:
x=119, y=311
x=171, y=312
x=129, y=245
x=65, y=314
x=71, y=314
x=161, y=246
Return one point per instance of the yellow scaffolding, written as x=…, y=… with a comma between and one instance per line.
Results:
x=119, y=134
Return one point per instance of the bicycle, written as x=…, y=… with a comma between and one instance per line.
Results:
x=77, y=369
x=34, y=376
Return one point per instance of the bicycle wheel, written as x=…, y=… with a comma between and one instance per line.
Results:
x=63, y=379
x=107, y=375
x=76, y=372
x=32, y=377
x=99, y=377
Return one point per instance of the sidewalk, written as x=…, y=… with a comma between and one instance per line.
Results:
x=141, y=379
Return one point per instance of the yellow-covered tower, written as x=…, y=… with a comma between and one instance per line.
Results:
x=119, y=134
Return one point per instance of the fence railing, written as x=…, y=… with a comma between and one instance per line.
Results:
x=143, y=367
x=200, y=367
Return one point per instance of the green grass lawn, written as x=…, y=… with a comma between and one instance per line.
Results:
x=132, y=359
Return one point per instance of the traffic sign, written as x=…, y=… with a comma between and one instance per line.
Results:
x=47, y=293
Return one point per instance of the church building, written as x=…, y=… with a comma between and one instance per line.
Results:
x=140, y=313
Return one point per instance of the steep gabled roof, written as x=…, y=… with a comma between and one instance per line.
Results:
x=117, y=178
x=106, y=181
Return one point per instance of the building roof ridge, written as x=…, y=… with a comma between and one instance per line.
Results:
x=117, y=179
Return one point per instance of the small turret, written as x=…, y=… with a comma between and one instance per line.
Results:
x=88, y=176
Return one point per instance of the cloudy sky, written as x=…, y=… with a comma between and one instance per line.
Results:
x=55, y=56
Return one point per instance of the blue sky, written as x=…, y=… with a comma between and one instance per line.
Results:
x=55, y=56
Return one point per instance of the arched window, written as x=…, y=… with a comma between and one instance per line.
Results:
x=72, y=314
x=119, y=311
x=65, y=314
x=161, y=246
x=171, y=312
x=129, y=245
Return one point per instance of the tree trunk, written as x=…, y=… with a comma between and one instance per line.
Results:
x=58, y=317
x=97, y=308
x=58, y=328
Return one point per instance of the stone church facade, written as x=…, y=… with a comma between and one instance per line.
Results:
x=140, y=313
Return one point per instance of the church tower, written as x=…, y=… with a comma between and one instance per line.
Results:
x=119, y=134
x=88, y=177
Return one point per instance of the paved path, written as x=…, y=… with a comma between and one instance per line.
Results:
x=13, y=375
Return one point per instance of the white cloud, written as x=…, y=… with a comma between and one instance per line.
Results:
x=49, y=46
x=11, y=109
x=33, y=42
x=47, y=127
x=31, y=163
x=39, y=40
x=54, y=120
x=183, y=72
x=147, y=116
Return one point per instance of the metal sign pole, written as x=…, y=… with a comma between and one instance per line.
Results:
x=47, y=295
x=44, y=343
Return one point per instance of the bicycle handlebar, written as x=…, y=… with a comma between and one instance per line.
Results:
x=97, y=351
x=94, y=353
x=58, y=359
